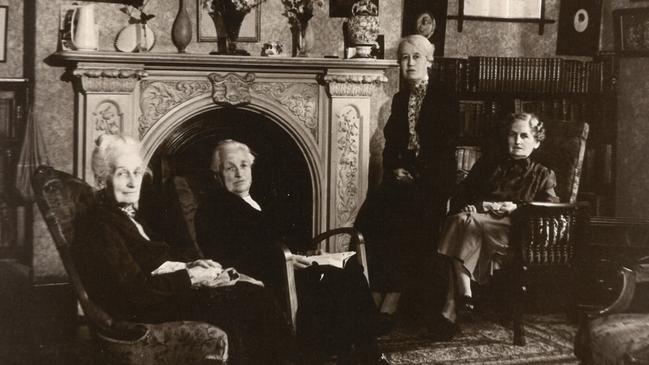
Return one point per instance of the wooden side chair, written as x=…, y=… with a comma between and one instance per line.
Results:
x=61, y=198
x=544, y=235
x=332, y=241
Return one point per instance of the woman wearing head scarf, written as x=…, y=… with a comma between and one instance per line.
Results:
x=401, y=219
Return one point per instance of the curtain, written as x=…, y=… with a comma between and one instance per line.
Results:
x=32, y=155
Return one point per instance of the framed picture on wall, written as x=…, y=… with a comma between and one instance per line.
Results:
x=3, y=33
x=631, y=30
x=428, y=18
x=249, y=31
x=579, y=23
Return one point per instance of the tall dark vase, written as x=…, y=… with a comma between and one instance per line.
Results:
x=228, y=24
x=181, y=31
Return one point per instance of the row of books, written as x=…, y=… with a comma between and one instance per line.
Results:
x=562, y=108
x=477, y=116
x=522, y=75
x=466, y=156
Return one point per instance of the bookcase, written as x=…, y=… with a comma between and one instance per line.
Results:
x=487, y=88
x=13, y=212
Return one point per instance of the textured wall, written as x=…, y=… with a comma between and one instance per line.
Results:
x=13, y=67
x=632, y=191
x=54, y=106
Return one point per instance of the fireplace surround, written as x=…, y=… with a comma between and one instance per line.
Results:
x=322, y=105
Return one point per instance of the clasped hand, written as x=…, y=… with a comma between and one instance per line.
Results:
x=499, y=209
x=203, y=272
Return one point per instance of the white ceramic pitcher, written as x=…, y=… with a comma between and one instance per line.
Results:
x=85, y=34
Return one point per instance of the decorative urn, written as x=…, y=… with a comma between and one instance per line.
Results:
x=363, y=27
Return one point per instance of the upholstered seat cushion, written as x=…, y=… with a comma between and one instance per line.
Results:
x=169, y=343
x=608, y=338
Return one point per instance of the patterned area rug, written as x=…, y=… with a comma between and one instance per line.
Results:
x=484, y=341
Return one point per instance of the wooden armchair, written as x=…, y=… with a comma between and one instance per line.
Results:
x=544, y=235
x=61, y=198
x=613, y=301
x=335, y=240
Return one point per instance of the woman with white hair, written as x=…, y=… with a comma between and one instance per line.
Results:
x=401, y=219
x=136, y=278
x=477, y=231
x=336, y=314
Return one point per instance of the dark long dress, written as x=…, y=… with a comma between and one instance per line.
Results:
x=116, y=261
x=336, y=307
x=401, y=221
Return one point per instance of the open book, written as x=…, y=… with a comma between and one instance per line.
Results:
x=338, y=259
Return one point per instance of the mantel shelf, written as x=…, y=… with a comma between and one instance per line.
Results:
x=153, y=60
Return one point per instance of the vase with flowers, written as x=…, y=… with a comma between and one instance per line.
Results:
x=137, y=36
x=299, y=12
x=228, y=16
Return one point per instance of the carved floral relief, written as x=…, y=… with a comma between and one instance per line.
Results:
x=107, y=118
x=348, y=122
x=300, y=99
x=158, y=97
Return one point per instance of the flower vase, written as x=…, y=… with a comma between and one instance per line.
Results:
x=303, y=39
x=228, y=25
x=363, y=27
x=181, y=30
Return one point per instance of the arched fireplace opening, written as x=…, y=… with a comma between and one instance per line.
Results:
x=282, y=182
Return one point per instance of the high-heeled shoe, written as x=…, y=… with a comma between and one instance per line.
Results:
x=442, y=329
x=466, y=307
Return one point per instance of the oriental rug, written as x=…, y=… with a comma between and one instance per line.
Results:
x=486, y=341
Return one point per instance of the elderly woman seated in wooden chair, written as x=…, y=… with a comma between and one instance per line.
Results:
x=336, y=307
x=138, y=279
x=479, y=225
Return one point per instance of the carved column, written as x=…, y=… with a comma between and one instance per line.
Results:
x=106, y=102
x=350, y=139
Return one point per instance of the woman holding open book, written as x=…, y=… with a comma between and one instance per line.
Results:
x=336, y=312
x=401, y=219
x=477, y=231
x=136, y=278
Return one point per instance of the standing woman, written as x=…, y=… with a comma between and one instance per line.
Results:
x=401, y=219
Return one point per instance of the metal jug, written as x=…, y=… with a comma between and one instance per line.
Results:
x=85, y=34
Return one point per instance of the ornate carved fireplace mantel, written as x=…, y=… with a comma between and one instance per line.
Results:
x=322, y=104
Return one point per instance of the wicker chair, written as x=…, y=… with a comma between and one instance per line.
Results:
x=61, y=198
x=544, y=235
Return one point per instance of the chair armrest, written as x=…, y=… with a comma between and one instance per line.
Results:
x=357, y=243
x=290, y=294
x=546, y=233
x=626, y=289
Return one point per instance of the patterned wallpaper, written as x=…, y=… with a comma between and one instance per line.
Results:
x=54, y=105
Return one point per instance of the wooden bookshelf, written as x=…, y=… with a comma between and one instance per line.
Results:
x=488, y=88
x=13, y=212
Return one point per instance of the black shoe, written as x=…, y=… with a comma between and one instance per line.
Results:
x=383, y=324
x=466, y=307
x=382, y=360
x=442, y=329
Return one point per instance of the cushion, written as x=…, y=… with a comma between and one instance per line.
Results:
x=612, y=336
x=169, y=343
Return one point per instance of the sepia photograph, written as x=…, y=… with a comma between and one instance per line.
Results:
x=283, y=182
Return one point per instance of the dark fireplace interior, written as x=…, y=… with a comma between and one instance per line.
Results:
x=281, y=181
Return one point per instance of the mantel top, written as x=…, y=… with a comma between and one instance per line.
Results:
x=154, y=60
